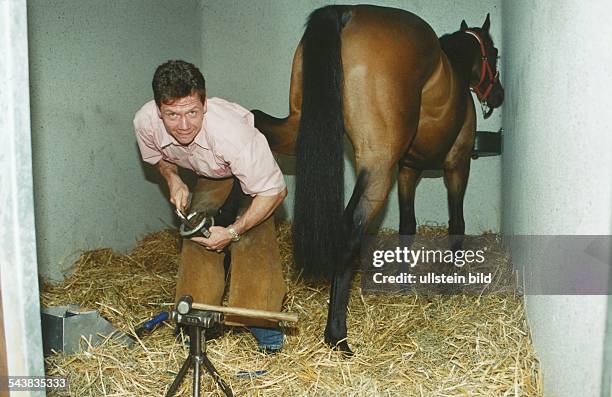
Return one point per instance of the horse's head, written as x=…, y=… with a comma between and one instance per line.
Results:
x=484, y=80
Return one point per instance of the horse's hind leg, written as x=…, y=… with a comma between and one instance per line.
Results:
x=335, y=330
x=369, y=196
x=407, y=180
x=381, y=127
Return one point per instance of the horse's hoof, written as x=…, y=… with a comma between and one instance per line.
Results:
x=341, y=347
x=344, y=349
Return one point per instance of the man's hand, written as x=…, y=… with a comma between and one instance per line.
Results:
x=179, y=194
x=219, y=239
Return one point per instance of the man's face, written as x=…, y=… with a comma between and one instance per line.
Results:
x=183, y=117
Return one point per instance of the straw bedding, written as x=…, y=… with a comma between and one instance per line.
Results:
x=410, y=345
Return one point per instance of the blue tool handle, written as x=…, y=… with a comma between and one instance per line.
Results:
x=149, y=325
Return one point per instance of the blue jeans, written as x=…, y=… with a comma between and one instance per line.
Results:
x=270, y=340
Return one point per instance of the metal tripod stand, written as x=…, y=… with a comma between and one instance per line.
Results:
x=196, y=321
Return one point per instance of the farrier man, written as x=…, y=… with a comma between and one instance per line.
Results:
x=217, y=139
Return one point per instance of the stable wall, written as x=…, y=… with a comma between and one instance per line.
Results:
x=247, y=52
x=20, y=331
x=91, y=65
x=556, y=169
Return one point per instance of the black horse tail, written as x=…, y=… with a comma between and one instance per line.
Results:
x=319, y=196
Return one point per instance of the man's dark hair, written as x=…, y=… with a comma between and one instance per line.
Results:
x=177, y=79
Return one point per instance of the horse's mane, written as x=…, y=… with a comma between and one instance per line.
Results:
x=454, y=46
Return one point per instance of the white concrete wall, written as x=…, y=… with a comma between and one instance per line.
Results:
x=21, y=343
x=556, y=166
x=248, y=48
x=91, y=68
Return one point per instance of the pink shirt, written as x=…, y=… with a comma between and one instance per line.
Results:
x=228, y=144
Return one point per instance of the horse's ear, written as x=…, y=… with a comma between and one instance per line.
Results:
x=487, y=23
x=463, y=25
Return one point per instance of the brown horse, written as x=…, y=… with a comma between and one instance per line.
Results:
x=382, y=76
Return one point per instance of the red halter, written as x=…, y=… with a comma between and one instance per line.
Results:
x=485, y=71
